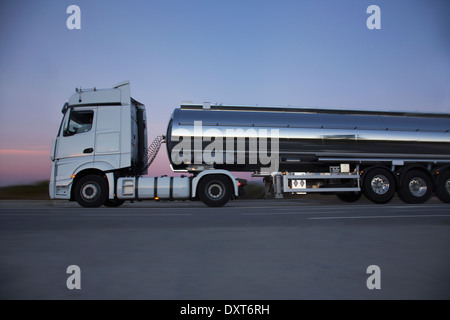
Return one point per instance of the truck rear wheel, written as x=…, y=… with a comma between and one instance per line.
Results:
x=379, y=185
x=416, y=187
x=113, y=203
x=443, y=187
x=91, y=191
x=214, y=191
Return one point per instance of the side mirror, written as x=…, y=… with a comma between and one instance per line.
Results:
x=67, y=132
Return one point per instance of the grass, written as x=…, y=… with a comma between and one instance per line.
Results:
x=37, y=191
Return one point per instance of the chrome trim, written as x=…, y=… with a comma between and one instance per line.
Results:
x=380, y=184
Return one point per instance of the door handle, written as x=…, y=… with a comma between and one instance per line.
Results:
x=88, y=150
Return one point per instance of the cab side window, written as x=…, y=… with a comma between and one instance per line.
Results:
x=79, y=121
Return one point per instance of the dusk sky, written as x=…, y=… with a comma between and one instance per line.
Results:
x=306, y=53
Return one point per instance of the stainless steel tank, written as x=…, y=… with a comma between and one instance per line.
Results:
x=305, y=135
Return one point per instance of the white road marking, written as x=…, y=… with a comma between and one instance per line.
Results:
x=99, y=214
x=382, y=217
x=276, y=213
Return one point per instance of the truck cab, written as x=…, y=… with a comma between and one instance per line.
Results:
x=102, y=131
x=101, y=152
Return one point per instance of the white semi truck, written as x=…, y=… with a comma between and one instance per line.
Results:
x=100, y=155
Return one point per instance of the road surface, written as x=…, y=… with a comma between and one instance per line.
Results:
x=268, y=249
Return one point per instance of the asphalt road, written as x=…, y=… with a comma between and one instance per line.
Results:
x=288, y=249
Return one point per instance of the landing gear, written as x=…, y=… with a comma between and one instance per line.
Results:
x=349, y=196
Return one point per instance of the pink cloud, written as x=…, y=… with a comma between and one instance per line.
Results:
x=18, y=152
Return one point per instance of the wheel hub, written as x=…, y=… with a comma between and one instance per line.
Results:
x=90, y=191
x=418, y=186
x=380, y=184
x=215, y=191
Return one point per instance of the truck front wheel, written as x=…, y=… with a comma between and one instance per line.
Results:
x=214, y=191
x=91, y=191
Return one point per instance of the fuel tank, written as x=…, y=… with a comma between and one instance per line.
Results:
x=305, y=135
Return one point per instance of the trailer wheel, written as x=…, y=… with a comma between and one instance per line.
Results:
x=379, y=185
x=91, y=191
x=214, y=191
x=443, y=187
x=349, y=196
x=416, y=187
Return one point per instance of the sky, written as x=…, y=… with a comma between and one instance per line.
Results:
x=305, y=53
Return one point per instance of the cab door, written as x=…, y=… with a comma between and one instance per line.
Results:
x=77, y=135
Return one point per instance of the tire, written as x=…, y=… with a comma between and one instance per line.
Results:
x=91, y=191
x=214, y=191
x=443, y=187
x=349, y=196
x=416, y=187
x=379, y=185
x=113, y=203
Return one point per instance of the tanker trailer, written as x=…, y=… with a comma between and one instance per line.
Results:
x=346, y=152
